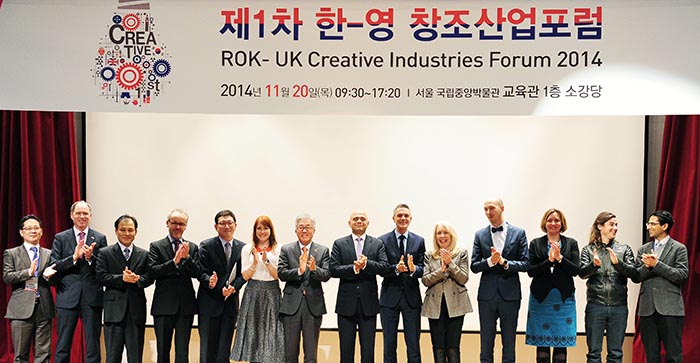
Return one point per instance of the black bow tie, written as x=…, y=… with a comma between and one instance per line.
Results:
x=494, y=229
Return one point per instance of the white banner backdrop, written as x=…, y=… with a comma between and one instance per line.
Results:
x=351, y=57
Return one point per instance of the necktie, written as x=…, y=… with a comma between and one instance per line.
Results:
x=494, y=229
x=127, y=254
x=176, y=245
x=304, y=252
x=658, y=247
x=81, y=236
x=35, y=256
x=401, y=244
x=358, y=246
x=227, y=251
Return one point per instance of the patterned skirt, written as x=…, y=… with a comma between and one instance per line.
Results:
x=259, y=334
x=551, y=323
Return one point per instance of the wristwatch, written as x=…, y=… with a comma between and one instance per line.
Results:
x=267, y=262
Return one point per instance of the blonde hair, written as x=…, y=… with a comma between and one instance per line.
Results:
x=454, y=250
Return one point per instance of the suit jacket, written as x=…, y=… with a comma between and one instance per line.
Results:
x=213, y=258
x=451, y=284
x=496, y=279
x=310, y=282
x=393, y=285
x=363, y=285
x=549, y=275
x=174, y=290
x=15, y=272
x=76, y=281
x=118, y=294
x=661, y=285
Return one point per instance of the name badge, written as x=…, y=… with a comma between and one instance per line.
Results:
x=32, y=284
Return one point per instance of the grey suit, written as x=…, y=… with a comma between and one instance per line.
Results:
x=30, y=315
x=303, y=304
x=450, y=284
x=660, y=305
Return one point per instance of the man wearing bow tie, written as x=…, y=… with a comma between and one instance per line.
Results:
x=401, y=295
x=173, y=262
x=121, y=269
x=500, y=253
x=662, y=266
x=218, y=290
x=303, y=265
x=78, y=294
x=356, y=260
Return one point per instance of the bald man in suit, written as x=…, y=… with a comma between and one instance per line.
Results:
x=356, y=260
x=31, y=307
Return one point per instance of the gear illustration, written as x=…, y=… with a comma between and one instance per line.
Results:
x=129, y=76
x=131, y=22
x=146, y=64
x=107, y=74
x=161, y=68
x=116, y=19
x=137, y=59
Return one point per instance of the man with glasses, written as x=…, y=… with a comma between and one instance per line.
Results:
x=31, y=308
x=78, y=294
x=219, y=284
x=304, y=265
x=173, y=262
x=662, y=266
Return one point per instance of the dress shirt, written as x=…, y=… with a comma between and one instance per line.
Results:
x=130, y=248
x=261, y=273
x=659, y=245
x=498, y=239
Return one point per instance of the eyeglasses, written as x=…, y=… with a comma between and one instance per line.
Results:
x=226, y=223
x=32, y=228
x=179, y=224
x=653, y=223
x=305, y=227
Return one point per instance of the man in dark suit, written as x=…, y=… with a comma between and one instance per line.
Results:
x=173, y=262
x=405, y=252
x=121, y=268
x=78, y=293
x=218, y=289
x=304, y=265
x=31, y=308
x=356, y=260
x=662, y=266
x=500, y=252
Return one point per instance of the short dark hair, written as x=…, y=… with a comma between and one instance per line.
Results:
x=126, y=216
x=28, y=217
x=664, y=217
x=224, y=213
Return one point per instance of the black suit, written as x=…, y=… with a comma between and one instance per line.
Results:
x=401, y=294
x=217, y=317
x=124, y=303
x=174, y=304
x=357, y=304
x=78, y=294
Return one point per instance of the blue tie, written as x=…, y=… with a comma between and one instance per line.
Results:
x=36, y=257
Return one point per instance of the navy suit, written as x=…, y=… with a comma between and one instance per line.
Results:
x=78, y=294
x=124, y=303
x=401, y=294
x=357, y=304
x=217, y=316
x=499, y=289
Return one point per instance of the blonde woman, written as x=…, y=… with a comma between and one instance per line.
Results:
x=446, y=302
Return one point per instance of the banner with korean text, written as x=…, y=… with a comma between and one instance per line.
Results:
x=352, y=57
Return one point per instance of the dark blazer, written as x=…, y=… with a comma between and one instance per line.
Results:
x=549, y=275
x=310, y=281
x=497, y=280
x=394, y=284
x=118, y=294
x=362, y=286
x=76, y=281
x=174, y=290
x=15, y=265
x=213, y=258
x=661, y=285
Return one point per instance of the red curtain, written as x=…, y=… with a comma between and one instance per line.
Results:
x=679, y=193
x=39, y=175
